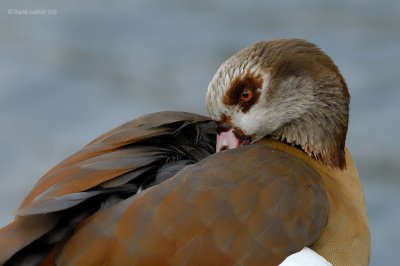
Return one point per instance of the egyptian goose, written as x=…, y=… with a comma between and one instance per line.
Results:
x=283, y=187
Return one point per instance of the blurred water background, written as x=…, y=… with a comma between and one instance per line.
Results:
x=82, y=68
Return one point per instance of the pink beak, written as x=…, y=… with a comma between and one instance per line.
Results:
x=227, y=140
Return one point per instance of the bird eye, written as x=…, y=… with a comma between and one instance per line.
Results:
x=246, y=95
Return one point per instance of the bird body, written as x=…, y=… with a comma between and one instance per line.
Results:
x=224, y=213
x=345, y=240
x=152, y=191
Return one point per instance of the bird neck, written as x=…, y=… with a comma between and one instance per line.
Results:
x=322, y=141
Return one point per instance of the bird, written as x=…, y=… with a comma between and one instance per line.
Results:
x=265, y=180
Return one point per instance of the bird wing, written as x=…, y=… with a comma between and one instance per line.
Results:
x=137, y=155
x=253, y=205
x=118, y=153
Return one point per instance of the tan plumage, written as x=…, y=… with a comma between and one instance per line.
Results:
x=346, y=238
x=151, y=193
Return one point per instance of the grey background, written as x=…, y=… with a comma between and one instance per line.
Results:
x=66, y=78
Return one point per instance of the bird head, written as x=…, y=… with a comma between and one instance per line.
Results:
x=287, y=90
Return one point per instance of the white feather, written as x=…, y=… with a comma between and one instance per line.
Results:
x=306, y=256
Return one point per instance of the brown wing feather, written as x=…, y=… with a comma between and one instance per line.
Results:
x=78, y=165
x=216, y=212
x=22, y=232
x=140, y=153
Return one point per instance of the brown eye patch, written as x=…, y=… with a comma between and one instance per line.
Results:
x=244, y=92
